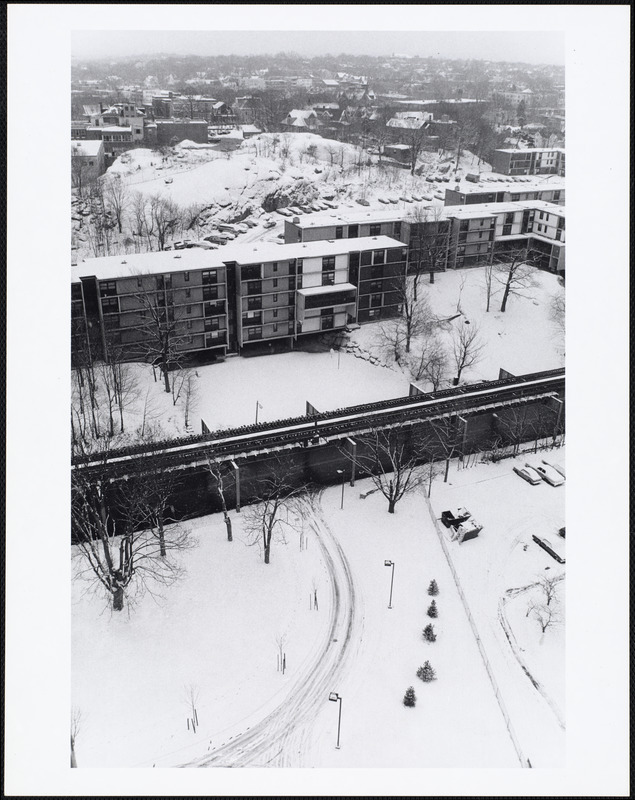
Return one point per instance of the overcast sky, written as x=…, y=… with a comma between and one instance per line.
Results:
x=528, y=46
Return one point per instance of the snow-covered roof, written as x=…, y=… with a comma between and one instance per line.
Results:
x=530, y=150
x=86, y=147
x=131, y=264
x=114, y=128
x=353, y=218
x=534, y=186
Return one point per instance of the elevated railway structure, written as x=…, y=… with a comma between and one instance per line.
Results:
x=313, y=448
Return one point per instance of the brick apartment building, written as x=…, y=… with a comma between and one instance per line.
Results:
x=241, y=299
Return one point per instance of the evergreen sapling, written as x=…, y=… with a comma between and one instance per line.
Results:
x=409, y=698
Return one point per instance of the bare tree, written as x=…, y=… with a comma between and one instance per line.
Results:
x=117, y=198
x=558, y=316
x=218, y=472
x=546, y=616
x=428, y=246
x=120, y=542
x=467, y=347
x=488, y=280
x=162, y=330
x=415, y=319
x=395, y=463
x=76, y=719
x=428, y=361
x=166, y=216
x=516, y=273
x=275, y=510
x=191, y=693
x=446, y=430
x=550, y=585
x=142, y=220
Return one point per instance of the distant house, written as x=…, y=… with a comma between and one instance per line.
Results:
x=250, y=130
x=301, y=120
x=87, y=162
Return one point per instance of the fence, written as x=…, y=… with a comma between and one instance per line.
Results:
x=524, y=762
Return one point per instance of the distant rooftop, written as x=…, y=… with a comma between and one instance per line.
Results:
x=86, y=147
x=529, y=150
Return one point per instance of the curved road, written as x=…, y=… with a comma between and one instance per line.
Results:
x=281, y=738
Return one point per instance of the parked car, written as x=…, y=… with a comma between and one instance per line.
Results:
x=546, y=545
x=226, y=227
x=167, y=180
x=557, y=467
x=383, y=200
x=550, y=475
x=284, y=212
x=528, y=474
x=362, y=201
x=296, y=210
x=427, y=197
x=240, y=228
x=250, y=223
x=180, y=245
x=417, y=198
x=269, y=223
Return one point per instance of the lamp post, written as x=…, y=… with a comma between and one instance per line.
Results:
x=392, y=577
x=257, y=407
x=334, y=697
x=341, y=472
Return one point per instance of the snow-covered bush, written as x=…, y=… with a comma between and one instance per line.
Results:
x=428, y=633
x=409, y=698
x=433, y=589
x=426, y=673
x=432, y=610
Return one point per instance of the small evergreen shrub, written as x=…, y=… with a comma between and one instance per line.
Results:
x=410, y=699
x=432, y=610
x=426, y=673
x=428, y=633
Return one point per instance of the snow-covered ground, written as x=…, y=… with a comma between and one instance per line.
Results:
x=217, y=631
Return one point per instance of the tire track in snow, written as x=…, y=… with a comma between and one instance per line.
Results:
x=282, y=737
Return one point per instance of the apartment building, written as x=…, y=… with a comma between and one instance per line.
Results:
x=550, y=189
x=452, y=237
x=241, y=299
x=531, y=161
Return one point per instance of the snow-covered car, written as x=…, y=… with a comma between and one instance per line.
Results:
x=180, y=245
x=405, y=198
x=240, y=228
x=215, y=238
x=528, y=474
x=430, y=179
x=226, y=227
x=393, y=200
x=417, y=198
x=383, y=200
x=546, y=545
x=362, y=201
x=427, y=197
x=467, y=530
x=439, y=195
x=330, y=204
x=204, y=245
x=227, y=235
x=550, y=475
x=558, y=467
x=285, y=212
x=296, y=210
x=167, y=180
x=250, y=223
x=269, y=223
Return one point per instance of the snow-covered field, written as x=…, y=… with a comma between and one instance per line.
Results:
x=217, y=631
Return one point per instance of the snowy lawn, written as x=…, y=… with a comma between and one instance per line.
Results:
x=522, y=339
x=217, y=630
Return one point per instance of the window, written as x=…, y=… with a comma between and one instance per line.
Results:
x=353, y=260
x=375, y=300
x=396, y=229
x=139, y=283
x=353, y=231
x=328, y=278
x=212, y=324
x=299, y=264
x=515, y=197
x=188, y=324
x=254, y=303
x=275, y=327
x=188, y=309
x=463, y=225
x=108, y=288
x=188, y=292
x=556, y=195
x=366, y=258
x=210, y=292
x=374, y=230
x=210, y=276
x=509, y=218
x=375, y=286
x=328, y=262
x=339, y=232
x=275, y=313
x=373, y=313
x=275, y=282
x=110, y=305
x=542, y=215
x=275, y=266
x=275, y=298
x=379, y=256
x=539, y=228
x=254, y=287
x=186, y=276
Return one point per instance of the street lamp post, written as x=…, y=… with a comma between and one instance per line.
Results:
x=341, y=472
x=392, y=577
x=334, y=697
